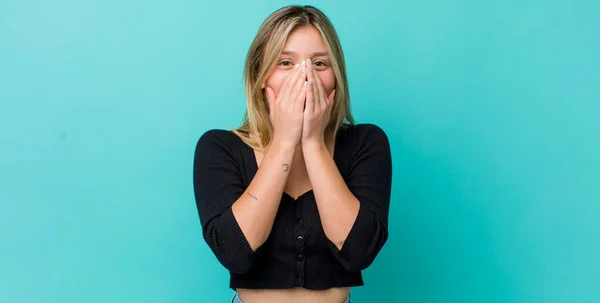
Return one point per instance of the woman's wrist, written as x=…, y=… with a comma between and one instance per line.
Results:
x=281, y=146
x=313, y=145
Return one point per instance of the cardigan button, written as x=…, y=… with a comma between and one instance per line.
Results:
x=300, y=239
x=298, y=220
x=300, y=257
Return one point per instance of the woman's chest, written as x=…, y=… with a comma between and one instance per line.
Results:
x=297, y=226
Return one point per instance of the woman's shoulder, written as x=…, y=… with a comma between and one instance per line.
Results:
x=217, y=138
x=363, y=132
x=216, y=134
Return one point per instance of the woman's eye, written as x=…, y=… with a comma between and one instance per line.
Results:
x=320, y=63
x=285, y=63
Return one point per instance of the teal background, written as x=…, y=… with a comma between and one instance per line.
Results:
x=491, y=108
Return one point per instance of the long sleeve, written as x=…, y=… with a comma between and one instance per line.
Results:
x=370, y=180
x=218, y=183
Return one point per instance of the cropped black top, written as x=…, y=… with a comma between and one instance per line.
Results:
x=297, y=253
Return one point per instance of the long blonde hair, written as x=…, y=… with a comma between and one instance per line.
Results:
x=256, y=129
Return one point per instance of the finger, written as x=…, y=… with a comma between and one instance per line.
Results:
x=301, y=98
x=271, y=98
x=288, y=81
x=316, y=87
x=321, y=96
x=310, y=91
x=271, y=95
x=291, y=81
x=319, y=90
x=299, y=82
x=331, y=96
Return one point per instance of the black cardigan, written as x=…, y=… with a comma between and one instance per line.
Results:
x=297, y=253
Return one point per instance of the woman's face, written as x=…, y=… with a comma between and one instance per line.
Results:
x=303, y=43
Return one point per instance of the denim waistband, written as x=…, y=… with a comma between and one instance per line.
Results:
x=236, y=299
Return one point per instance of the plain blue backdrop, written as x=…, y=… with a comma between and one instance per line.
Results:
x=491, y=107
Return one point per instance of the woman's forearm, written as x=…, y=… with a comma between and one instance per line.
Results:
x=337, y=206
x=255, y=210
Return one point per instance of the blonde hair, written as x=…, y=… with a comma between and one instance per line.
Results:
x=256, y=129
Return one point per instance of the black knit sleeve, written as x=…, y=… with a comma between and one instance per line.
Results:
x=218, y=183
x=370, y=180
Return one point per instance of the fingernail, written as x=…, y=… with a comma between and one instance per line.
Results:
x=297, y=65
x=305, y=83
x=303, y=68
x=310, y=82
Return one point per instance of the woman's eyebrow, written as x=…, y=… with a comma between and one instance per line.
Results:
x=317, y=54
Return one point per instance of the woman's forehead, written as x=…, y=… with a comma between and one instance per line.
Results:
x=305, y=40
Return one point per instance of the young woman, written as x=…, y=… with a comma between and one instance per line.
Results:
x=294, y=203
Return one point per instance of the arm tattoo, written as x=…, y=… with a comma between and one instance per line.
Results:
x=253, y=196
x=285, y=167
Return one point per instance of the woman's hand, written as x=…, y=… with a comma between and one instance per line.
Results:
x=287, y=106
x=318, y=109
